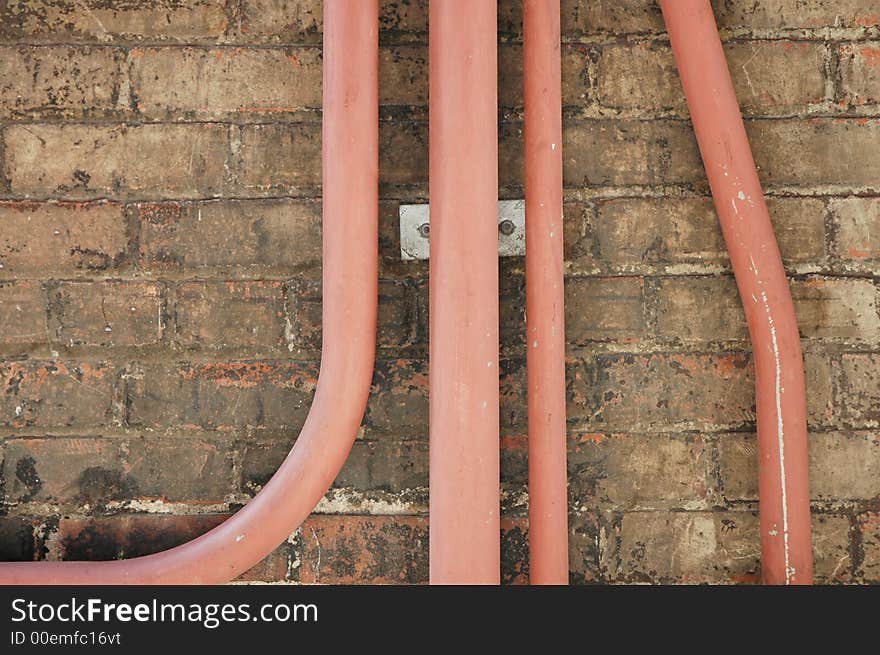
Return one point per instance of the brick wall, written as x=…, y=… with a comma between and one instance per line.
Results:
x=160, y=286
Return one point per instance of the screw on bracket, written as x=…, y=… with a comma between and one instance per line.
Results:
x=424, y=230
x=506, y=227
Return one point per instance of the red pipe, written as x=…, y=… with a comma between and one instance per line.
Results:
x=780, y=393
x=464, y=443
x=545, y=317
x=350, y=234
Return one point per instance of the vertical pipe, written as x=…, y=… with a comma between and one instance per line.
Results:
x=760, y=276
x=464, y=444
x=545, y=318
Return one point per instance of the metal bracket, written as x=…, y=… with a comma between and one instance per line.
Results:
x=415, y=230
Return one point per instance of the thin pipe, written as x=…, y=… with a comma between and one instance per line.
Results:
x=545, y=316
x=786, y=555
x=464, y=442
x=350, y=238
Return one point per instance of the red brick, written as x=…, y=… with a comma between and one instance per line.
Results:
x=364, y=549
x=56, y=394
x=869, y=527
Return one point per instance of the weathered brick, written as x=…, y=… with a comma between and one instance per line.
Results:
x=200, y=84
x=637, y=16
x=634, y=231
x=858, y=232
x=123, y=537
x=55, y=394
x=683, y=547
x=94, y=472
x=826, y=308
x=364, y=549
x=682, y=304
x=281, y=158
x=583, y=548
x=248, y=314
x=676, y=391
x=403, y=75
x=860, y=400
x=403, y=159
x=282, y=21
x=399, y=398
x=768, y=76
x=599, y=309
x=221, y=396
x=843, y=466
x=108, y=313
x=837, y=308
x=23, y=314
x=17, y=542
x=102, y=21
x=869, y=526
x=263, y=234
x=60, y=238
x=75, y=471
x=645, y=392
x=832, y=538
x=625, y=152
x=397, y=319
x=617, y=16
x=183, y=470
x=818, y=151
x=642, y=472
x=511, y=306
x=794, y=14
x=860, y=72
x=70, y=82
x=143, y=161
x=386, y=474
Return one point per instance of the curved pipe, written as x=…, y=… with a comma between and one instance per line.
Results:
x=465, y=535
x=786, y=552
x=545, y=298
x=350, y=237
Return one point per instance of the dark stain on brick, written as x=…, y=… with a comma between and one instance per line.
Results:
x=26, y=473
x=98, y=485
x=16, y=540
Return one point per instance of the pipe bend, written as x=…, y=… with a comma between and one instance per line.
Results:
x=350, y=279
x=763, y=287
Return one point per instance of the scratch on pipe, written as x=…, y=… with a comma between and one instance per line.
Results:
x=780, y=437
